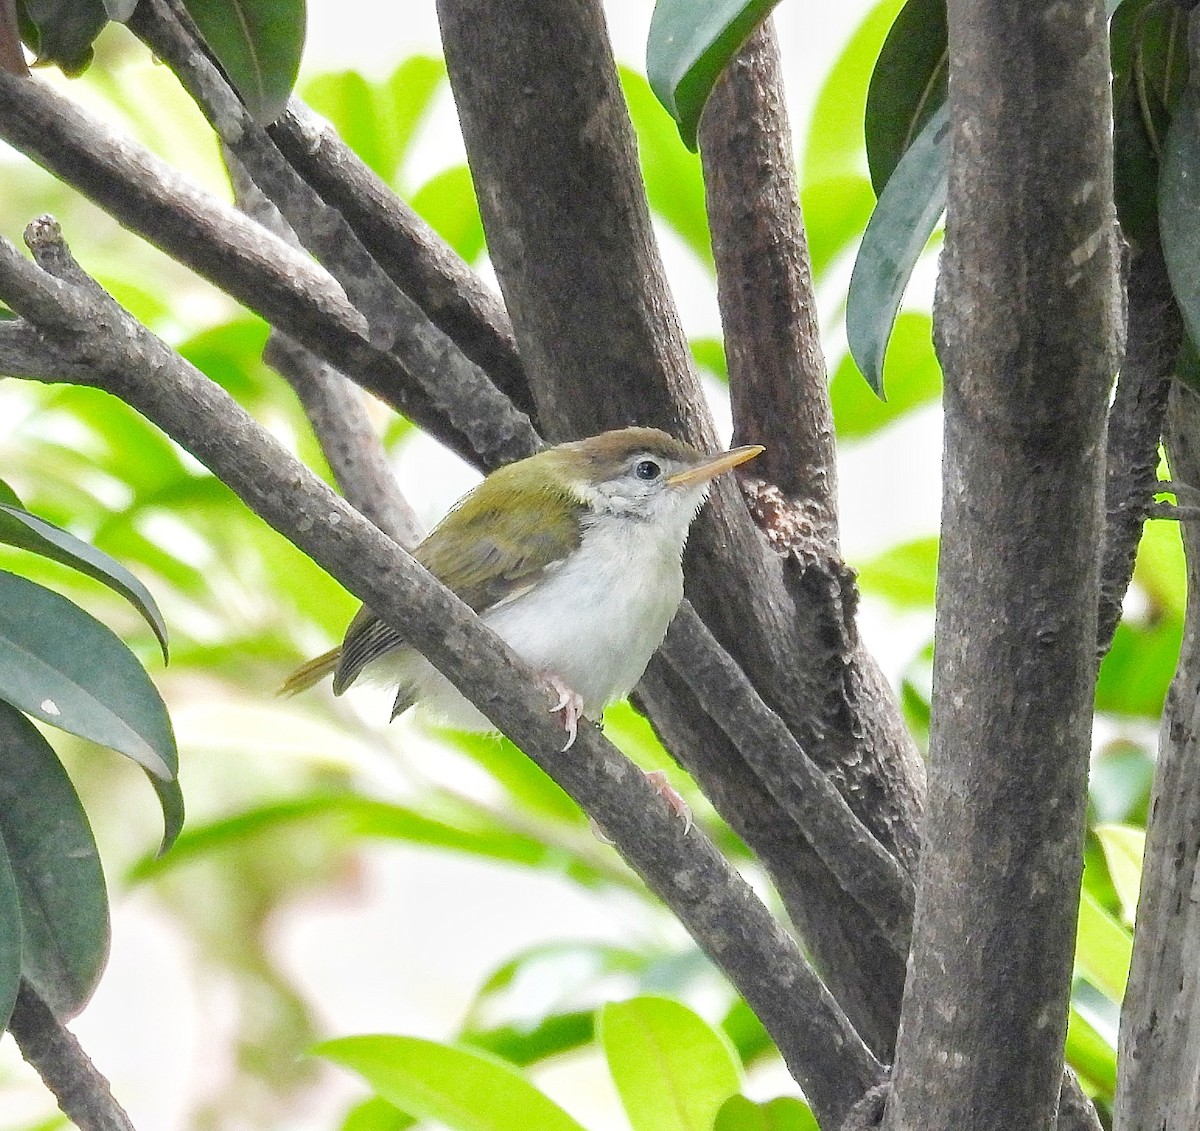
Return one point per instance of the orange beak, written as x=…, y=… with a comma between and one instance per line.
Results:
x=714, y=466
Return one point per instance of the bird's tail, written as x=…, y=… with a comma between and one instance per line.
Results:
x=306, y=675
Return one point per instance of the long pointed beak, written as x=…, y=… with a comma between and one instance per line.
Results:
x=715, y=465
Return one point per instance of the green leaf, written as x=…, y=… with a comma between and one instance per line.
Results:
x=688, y=47
x=554, y=1035
x=746, y=1032
x=10, y=938
x=835, y=144
x=379, y=120
x=836, y=211
x=672, y=1069
x=258, y=44
x=8, y=496
x=28, y=532
x=376, y=1114
x=62, y=31
x=1138, y=669
x=464, y=1089
x=1090, y=1055
x=1179, y=202
x=1124, y=847
x=1103, y=949
x=911, y=375
x=64, y=905
x=904, y=219
x=1119, y=788
x=906, y=574
x=447, y=203
x=670, y=171
x=782, y=1114
x=62, y=666
x=907, y=86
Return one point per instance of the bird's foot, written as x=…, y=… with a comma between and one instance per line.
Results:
x=570, y=703
x=672, y=796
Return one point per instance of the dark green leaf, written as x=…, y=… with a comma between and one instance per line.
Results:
x=688, y=47
x=671, y=172
x=672, y=1069
x=258, y=44
x=1179, y=203
x=463, y=1089
x=10, y=938
x=907, y=86
x=447, y=203
x=911, y=375
x=782, y=1114
x=64, y=667
x=28, y=532
x=904, y=219
x=170, y=799
x=8, y=496
x=62, y=31
x=376, y=1114
x=64, y=906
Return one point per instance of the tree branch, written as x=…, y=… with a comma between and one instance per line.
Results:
x=1135, y=424
x=1159, y=1050
x=1027, y=330
x=685, y=870
x=249, y=264
x=552, y=152
x=777, y=379
x=82, y=1093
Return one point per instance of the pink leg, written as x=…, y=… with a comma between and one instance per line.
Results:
x=675, y=802
x=570, y=703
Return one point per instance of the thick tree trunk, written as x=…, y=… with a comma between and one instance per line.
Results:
x=1027, y=320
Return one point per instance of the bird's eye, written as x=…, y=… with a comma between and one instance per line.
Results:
x=647, y=469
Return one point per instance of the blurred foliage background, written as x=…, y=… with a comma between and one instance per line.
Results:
x=311, y=812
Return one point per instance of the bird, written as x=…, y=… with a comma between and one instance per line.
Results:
x=573, y=556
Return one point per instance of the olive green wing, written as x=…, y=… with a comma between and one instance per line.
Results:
x=487, y=550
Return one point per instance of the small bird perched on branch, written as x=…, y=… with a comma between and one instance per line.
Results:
x=572, y=556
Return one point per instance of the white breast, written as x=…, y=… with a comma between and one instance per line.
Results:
x=595, y=621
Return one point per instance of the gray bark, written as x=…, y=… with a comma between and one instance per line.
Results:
x=1027, y=333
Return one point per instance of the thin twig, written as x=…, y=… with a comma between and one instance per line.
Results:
x=82, y=1093
x=697, y=883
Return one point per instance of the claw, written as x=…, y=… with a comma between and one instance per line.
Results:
x=673, y=798
x=570, y=703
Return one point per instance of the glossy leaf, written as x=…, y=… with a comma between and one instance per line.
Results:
x=670, y=171
x=447, y=203
x=1124, y=847
x=64, y=905
x=62, y=31
x=782, y=1114
x=461, y=1088
x=28, y=532
x=1103, y=949
x=911, y=375
x=258, y=44
x=835, y=145
x=687, y=49
x=908, y=85
x=904, y=219
x=10, y=938
x=672, y=1070
x=62, y=666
